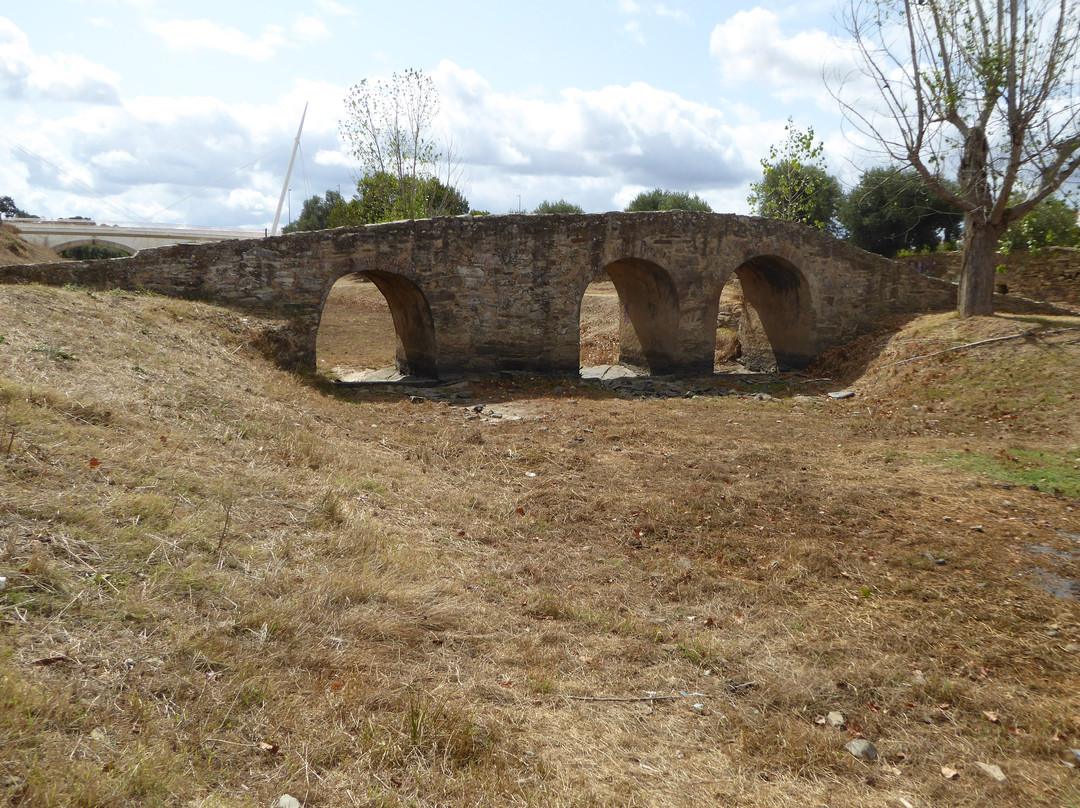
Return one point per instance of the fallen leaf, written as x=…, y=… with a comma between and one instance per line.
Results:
x=519, y=511
x=949, y=774
x=992, y=717
x=269, y=748
x=94, y=462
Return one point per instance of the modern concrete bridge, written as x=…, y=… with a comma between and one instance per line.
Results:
x=494, y=293
x=65, y=234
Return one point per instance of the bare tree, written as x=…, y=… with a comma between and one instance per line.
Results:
x=388, y=125
x=988, y=88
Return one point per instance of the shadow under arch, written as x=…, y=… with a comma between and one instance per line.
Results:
x=770, y=310
x=649, y=319
x=93, y=242
x=414, y=328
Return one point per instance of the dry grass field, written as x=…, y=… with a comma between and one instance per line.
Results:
x=226, y=583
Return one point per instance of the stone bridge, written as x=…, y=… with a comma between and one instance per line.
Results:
x=497, y=293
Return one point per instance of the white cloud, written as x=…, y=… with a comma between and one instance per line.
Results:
x=673, y=13
x=751, y=47
x=190, y=35
x=25, y=74
x=634, y=31
x=203, y=161
x=331, y=7
x=592, y=142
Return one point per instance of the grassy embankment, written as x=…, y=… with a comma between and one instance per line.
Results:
x=226, y=583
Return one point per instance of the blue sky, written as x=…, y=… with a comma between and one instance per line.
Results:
x=185, y=112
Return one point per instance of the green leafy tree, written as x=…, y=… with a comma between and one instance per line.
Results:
x=986, y=88
x=892, y=210
x=562, y=206
x=316, y=213
x=795, y=185
x=659, y=199
x=1051, y=223
x=9, y=210
x=380, y=198
x=388, y=125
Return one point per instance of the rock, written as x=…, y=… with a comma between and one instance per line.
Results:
x=684, y=565
x=288, y=801
x=1071, y=758
x=841, y=394
x=993, y=772
x=835, y=719
x=862, y=749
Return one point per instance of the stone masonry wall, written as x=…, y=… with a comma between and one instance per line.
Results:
x=484, y=294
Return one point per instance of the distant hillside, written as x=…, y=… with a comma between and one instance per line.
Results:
x=14, y=250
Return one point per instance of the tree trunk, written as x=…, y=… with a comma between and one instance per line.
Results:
x=977, y=270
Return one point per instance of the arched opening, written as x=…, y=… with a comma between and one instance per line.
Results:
x=629, y=318
x=376, y=326
x=92, y=249
x=764, y=318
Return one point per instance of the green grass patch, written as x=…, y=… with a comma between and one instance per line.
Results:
x=1057, y=473
x=53, y=353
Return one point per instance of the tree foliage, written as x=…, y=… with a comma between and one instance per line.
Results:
x=986, y=89
x=1051, y=223
x=389, y=125
x=795, y=184
x=316, y=213
x=9, y=210
x=659, y=199
x=562, y=206
x=892, y=209
x=379, y=198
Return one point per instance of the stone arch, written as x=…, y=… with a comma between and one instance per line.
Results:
x=414, y=327
x=772, y=313
x=649, y=320
x=93, y=242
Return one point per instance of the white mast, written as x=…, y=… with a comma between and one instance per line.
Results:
x=288, y=174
